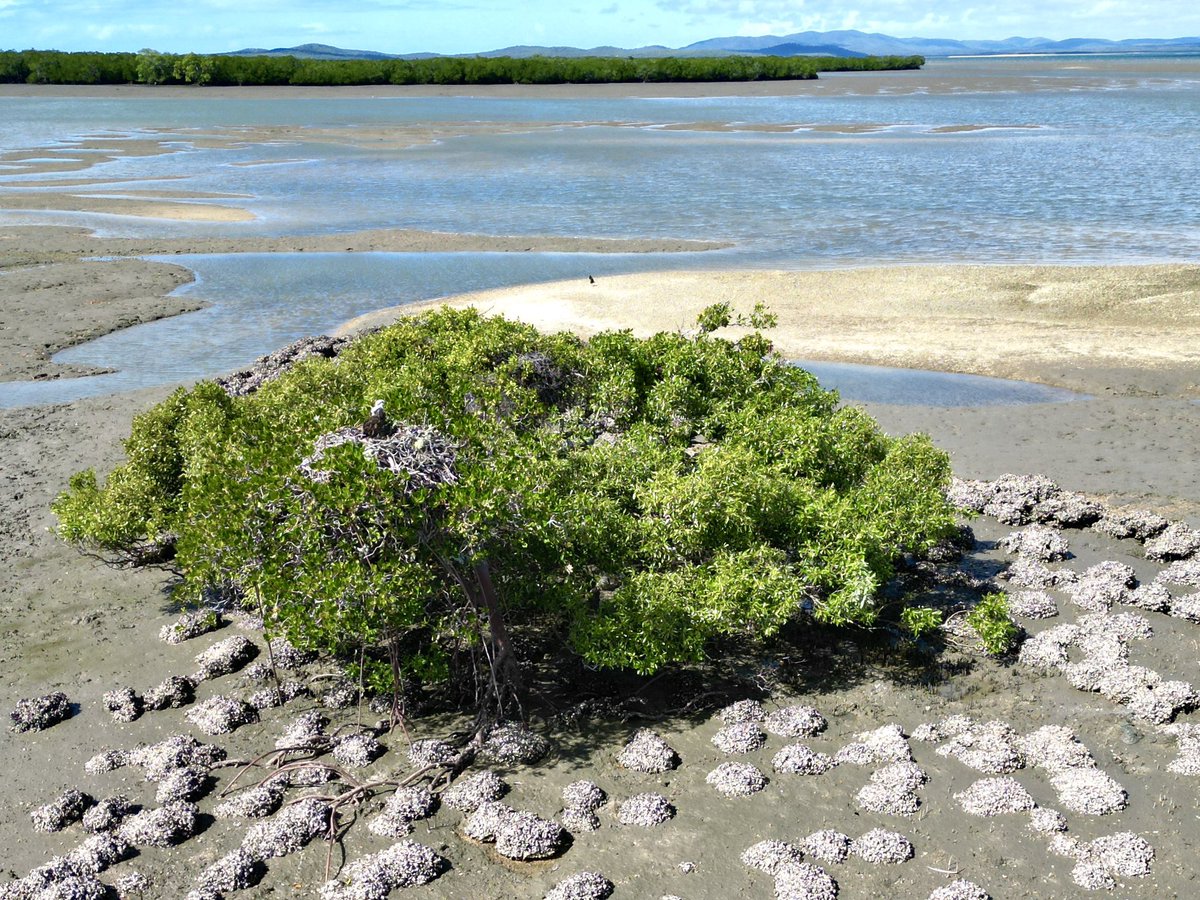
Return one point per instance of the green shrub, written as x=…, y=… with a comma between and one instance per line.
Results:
x=920, y=620
x=638, y=498
x=990, y=620
x=720, y=315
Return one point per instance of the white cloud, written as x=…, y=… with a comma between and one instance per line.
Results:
x=763, y=10
x=11, y=8
x=105, y=34
x=472, y=25
x=762, y=29
x=944, y=18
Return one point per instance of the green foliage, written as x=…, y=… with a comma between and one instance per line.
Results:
x=717, y=315
x=990, y=620
x=920, y=620
x=193, y=69
x=762, y=317
x=637, y=497
x=55, y=67
x=151, y=67
x=138, y=504
x=154, y=67
x=720, y=315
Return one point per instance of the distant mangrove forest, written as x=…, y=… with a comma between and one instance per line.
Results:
x=150, y=67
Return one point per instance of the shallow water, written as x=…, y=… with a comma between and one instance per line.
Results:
x=262, y=301
x=1062, y=160
x=917, y=387
x=975, y=160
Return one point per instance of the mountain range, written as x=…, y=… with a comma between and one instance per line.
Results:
x=803, y=43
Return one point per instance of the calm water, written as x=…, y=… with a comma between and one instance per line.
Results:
x=1003, y=160
x=267, y=300
x=910, y=387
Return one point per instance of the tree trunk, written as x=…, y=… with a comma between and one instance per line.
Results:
x=505, y=662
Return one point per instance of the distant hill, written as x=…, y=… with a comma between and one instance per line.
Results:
x=794, y=49
x=523, y=50
x=885, y=45
x=803, y=43
x=324, y=51
x=316, y=51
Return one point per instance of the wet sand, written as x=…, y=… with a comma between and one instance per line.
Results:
x=35, y=245
x=71, y=623
x=48, y=307
x=157, y=208
x=1038, y=323
x=1126, y=336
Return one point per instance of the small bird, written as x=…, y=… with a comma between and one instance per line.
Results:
x=377, y=424
x=591, y=280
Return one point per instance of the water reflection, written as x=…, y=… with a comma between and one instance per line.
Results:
x=917, y=387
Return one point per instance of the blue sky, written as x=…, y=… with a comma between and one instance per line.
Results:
x=463, y=26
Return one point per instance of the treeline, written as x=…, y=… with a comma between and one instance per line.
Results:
x=150, y=67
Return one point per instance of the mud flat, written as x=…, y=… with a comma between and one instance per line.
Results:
x=70, y=623
x=48, y=307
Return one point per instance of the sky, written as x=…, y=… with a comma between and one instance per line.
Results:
x=466, y=26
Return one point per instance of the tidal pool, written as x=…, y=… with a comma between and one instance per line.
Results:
x=919, y=387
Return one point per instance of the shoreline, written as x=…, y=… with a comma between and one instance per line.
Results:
x=1121, y=328
x=1126, y=335
x=1056, y=325
x=929, y=79
x=74, y=624
x=780, y=88
x=53, y=242
x=59, y=304
x=64, y=286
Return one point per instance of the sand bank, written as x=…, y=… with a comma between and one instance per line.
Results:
x=34, y=244
x=59, y=304
x=149, y=208
x=1039, y=323
x=80, y=154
